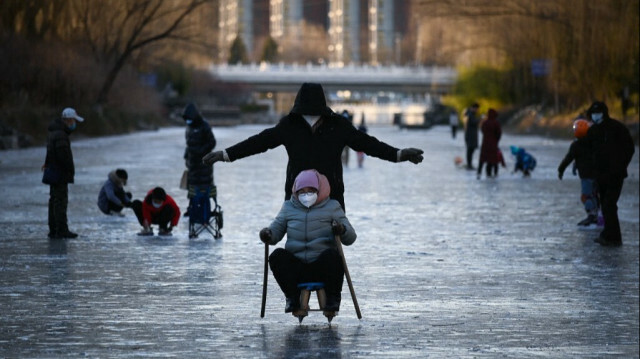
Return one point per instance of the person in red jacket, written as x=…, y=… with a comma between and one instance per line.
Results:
x=156, y=208
x=489, y=152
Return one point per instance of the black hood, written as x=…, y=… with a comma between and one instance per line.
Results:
x=598, y=107
x=191, y=113
x=310, y=100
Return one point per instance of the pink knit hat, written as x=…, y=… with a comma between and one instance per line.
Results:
x=307, y=178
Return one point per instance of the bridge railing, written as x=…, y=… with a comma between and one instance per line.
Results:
x=282, y=73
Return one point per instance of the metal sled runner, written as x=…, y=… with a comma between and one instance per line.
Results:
x=204, y=212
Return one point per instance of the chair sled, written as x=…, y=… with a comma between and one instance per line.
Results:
x=307, y=288
x=204, y=212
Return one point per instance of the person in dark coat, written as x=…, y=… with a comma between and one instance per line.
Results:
x=314, y=137
x=200, y=141
x=471, y=132
x=489, y=153
x=60, y=159
x=612, y=148
x=580, y=152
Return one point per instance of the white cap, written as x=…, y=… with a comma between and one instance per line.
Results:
x=71, y=113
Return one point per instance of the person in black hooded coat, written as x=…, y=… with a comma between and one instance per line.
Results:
x=314, y=137
x=200, y=141
x=612, y=147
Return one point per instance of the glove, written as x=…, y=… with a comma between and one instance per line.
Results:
x=126, y=204
x=338, y=228
x=265, y=235
x=413, y=155
x=212, y=157
x=560, y=174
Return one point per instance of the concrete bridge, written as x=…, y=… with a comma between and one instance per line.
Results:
x=287, y=78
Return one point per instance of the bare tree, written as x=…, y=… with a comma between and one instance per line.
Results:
x=115, y=30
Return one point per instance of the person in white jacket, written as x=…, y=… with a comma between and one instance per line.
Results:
x=310, y=219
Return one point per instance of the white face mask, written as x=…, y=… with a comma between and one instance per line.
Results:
x=311, y=120
x=597, y=117
x=308, y=199
x=188, y=122
x=156, y=205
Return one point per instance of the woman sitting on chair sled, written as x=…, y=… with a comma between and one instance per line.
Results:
x=310, y=219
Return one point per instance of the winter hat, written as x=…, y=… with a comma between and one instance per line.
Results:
x=310, y=100
x=71, y=113
x=598, y=107
x=123, y=175
x=159, y=194
x=492, y=114
x=191, y=112
x=308, y=178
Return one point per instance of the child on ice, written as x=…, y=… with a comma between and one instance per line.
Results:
x=525, y=162
x=310, y=219
x=580, y=152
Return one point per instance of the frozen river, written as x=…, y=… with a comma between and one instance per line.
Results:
x=444, y=265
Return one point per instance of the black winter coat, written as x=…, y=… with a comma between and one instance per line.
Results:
x=612, y=148
x=59, y=150
x=581, y=153
x=200, y=141
x=320, y=149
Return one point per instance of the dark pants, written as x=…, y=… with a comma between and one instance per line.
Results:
x=114, y=207
x=289, y=271
x=610, y=189
x=58, y=201
x=491, y=168
x=470, y=151
x=454, y=129
x=162, y=218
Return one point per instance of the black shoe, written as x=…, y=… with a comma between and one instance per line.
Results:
x=67, y=234
x=591, y=219
x=607, y=243
x=333, y=303
x=292, y=305
x=53, y=235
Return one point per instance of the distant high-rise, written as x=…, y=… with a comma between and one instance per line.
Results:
x=359, y=31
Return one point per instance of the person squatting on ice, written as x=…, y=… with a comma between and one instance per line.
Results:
x=525, y=162
x=310, y=219
x=112, y=197
x=314, y=137
x=59, y=171
x=489, y=152
x=156, y=208
x=612, y=147
x=580, y=154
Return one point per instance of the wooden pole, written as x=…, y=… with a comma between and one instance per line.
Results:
x=264, y=281
x=346, y=273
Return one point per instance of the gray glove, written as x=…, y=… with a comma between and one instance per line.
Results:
x=265, y=235
x=213, y=157
x=413, y=155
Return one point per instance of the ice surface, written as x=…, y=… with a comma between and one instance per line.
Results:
x=444, y=266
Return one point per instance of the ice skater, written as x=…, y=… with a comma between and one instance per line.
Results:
x=112, y=197
x=156, y=208
x=580, y=153
x=310, y=219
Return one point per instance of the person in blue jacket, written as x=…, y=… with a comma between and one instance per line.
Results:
x=310, y=219
x=525, y=162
